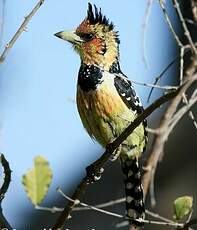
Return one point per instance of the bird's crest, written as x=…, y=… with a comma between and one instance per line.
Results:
x=96, y=16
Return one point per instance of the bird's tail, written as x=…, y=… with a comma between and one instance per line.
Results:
x=133, y=190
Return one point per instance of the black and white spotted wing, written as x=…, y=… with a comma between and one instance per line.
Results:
x=129, y=97
x=127, y=93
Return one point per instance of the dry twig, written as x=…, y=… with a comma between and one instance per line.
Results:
x=20, y=30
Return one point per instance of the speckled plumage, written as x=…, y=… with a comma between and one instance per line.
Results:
x=106, y=100
x=105, y=115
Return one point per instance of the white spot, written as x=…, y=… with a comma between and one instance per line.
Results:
x=129, y=185
x=136, y=103
x=138, y=189
x=137, y=163
x=128, y=98
x=130, y=212
x=129, y=199
x=130, y=173
x=137, y=176
x=123, y=94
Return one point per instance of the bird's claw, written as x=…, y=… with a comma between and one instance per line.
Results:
x=93, y=174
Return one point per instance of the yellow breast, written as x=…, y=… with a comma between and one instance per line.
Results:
x=100, y=110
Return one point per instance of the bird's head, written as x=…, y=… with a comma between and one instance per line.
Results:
x=94, y=39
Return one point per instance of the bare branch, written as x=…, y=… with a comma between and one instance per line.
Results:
x=160, y=139
x=186, y=31
x=144, y=27
x=167, y=87
x=7, y=177
x=179, y=43
x=161, y=75
x=20, y=30
x=77, y=202
x=2, y=22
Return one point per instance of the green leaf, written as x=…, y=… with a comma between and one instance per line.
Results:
x=37, y=180
x=182, y=206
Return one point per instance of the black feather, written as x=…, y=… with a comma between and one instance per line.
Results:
x=134, y=192
x=98, y=17
x=127, y=93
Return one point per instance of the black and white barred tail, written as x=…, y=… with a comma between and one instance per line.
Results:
x=133, y=190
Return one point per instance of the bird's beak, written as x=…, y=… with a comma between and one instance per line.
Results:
x=69, y=36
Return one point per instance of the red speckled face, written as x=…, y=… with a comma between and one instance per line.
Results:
x=99, y=42
x=94, y=44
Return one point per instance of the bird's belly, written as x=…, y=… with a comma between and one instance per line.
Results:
x=105, y=116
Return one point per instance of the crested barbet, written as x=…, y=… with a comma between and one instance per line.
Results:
x=106, y=100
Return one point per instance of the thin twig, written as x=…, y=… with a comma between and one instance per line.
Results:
x=77, y=202
x=191, y=21
x=20, y=30
x=179, y=43
x=191, y=115
x=182, y=51
x=186, y=31
x=192, y=222
x=2, y=22
x=160, y=139
x=161, y=75
x=181, y=112
x=187, y=48
x=152, y=189
x=167, y=87
x=144, y=28
x=7, y=177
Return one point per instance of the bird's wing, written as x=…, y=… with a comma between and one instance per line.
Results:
x=127, y=93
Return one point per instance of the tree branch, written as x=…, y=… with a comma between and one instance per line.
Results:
x=6, y=182
x=160, y=139
x=20, y=30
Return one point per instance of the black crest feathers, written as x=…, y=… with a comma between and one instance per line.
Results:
x=97, y=17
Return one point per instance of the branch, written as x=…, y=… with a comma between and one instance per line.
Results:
x=6, y=182
x=2, y=22
x=20, y=30
x=144, y=28
x=160, y=139
x=110, y=148
x=179, y=43
x=84, y=205
x=7, y=177
x=189, y=224
x=186, y=31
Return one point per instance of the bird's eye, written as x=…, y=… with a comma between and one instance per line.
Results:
x=86, y=37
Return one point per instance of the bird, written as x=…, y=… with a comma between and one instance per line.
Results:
x=106, y=100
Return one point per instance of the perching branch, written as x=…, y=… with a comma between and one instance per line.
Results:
x=20, y=30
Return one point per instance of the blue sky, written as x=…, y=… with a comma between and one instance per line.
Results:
x=38, y=86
